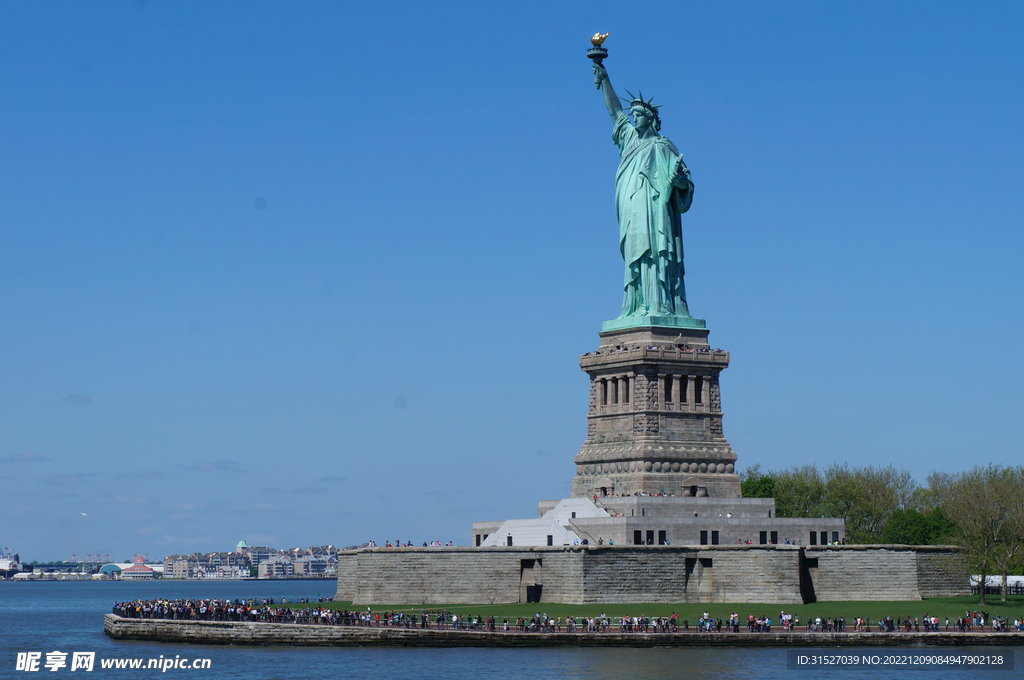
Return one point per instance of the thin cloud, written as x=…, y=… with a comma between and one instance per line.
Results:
x=141, y=474
x=71, y=478
x=27, y=457
x=333, y=478
x=77, y=399
x=219, y=465
x=311, y=489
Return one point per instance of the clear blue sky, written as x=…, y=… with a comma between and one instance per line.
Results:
x=318, y=273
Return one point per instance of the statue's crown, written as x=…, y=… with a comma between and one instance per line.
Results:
x=647, y=104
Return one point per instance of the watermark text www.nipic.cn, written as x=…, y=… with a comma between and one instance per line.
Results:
x=86, y=661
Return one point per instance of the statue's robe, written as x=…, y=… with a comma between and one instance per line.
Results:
x=648, y=204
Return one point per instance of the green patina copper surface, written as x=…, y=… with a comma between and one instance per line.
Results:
x=653, y=188
x=637, y=321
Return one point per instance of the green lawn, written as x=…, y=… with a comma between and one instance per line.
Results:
x=941, y=607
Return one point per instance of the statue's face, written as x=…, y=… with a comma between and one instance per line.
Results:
x=641, y=118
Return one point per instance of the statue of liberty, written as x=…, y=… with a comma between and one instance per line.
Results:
x=652, y=189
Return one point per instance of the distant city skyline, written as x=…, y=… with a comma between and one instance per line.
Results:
x=230, y=247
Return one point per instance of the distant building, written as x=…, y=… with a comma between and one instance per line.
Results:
x=111, y=570
x=221, y=573
x=138, y=571
x=262, y=561
x=277, y=566
x=259, y=554
x=182, y=566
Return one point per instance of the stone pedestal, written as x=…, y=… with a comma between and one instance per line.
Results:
x=655, y=419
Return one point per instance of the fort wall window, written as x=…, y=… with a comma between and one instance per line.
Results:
x=703, y=538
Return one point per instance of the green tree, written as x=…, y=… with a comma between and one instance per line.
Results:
x=972, y=501
x=912, y=527
x=1008, y=488
x=866, y=498
x=753, y=484
x=799, y=492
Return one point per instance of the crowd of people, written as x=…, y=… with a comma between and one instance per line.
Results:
x=268, y=611
x=408, y=544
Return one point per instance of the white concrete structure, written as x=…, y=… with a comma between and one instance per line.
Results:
x=569, y=509
x=555, y=527
x=997, y=581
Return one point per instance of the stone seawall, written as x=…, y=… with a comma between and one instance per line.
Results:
x=282, y=634
x=780, y=574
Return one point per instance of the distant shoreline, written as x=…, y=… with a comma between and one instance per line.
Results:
x=165, y=580
x=311, y=635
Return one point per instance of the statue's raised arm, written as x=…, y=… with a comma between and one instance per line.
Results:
x=611, y=100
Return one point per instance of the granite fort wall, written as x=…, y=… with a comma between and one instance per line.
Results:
x=691, y=574
x=457, y=575
x=865, y=573
x=771, y=574
x=942, y=571
x=885, y=572
x=414, y=576
x=348, y=576
x=578, y=575
x=624, y=574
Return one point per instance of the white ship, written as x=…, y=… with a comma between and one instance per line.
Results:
x=9, y=566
